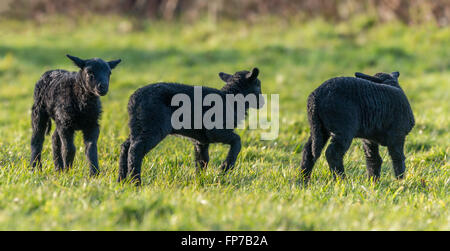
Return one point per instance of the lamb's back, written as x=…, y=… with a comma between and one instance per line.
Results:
x=376, y=107
x=54, y=86
x=54, y=81
x=162, y=93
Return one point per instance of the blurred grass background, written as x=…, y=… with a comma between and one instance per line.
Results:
x=296, y=48
x=407, y=11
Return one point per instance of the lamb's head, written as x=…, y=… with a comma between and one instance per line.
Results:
x=245, y=83
x=95, y=73
x=381, y=78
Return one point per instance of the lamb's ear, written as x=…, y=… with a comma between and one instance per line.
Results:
x=77, y=61
x=225, y=77
x=395, y=74
x=368, y=77
x=114, y=63
x=253, y=75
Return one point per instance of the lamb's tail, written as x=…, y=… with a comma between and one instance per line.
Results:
x=39, y=119
x=319, y=134
x=317, y=140
x=49, y=127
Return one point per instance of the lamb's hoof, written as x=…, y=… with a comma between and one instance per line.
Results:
x=136, y=182
x=226, y=168
x=94, y=172
x=303, y=182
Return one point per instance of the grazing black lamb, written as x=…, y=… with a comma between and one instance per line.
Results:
x=72, y=100
x=373, y=108
x=150, y=110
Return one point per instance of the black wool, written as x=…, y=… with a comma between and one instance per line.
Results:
x=72, y=100
x=373, y=108
x=150, y=113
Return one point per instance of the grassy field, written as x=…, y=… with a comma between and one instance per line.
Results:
x=262, y=192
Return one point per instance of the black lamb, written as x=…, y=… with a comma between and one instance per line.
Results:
x=72, y=100
x=150, y=113
x=373, y=108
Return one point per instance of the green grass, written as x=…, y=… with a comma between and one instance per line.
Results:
x=262, y=192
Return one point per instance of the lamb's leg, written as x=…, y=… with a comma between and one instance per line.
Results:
x=373, y=159
x=56, y=147
x=335, y=154
x=139, y=147
x=136, y=153
x=123, y=167
x=235, y=147
x=201, y=155
x=67, y=147
x=398, y=158
x=90, y=137
x=39, y=122
x=308, y=161
x=310, y=155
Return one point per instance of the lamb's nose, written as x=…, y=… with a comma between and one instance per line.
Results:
x=102, y=90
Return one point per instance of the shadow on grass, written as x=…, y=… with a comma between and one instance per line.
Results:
x=135, y=59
